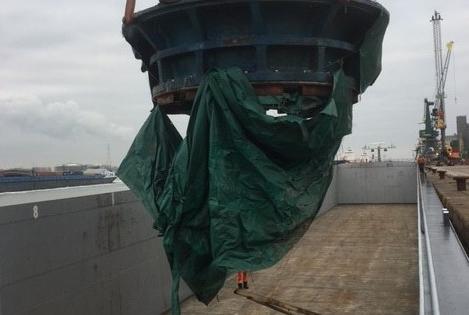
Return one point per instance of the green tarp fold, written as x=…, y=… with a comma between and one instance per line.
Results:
x=242, y=187
x=240, y=190
x=371, y=50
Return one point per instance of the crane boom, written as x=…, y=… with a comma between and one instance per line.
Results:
x=444, y=74
x=441, y=75
x=436, y=20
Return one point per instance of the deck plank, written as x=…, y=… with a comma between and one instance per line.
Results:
x=355, y=259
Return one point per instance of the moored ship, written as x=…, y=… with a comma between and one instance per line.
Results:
x=44, y=178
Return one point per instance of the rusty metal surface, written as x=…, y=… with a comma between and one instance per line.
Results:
x=178, y=102
x=355, y=259
x=129, y=11
x=271, y=41
x=458, y=174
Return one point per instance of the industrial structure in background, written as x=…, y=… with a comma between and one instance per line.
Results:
x=435, y=119
x=379, y=148
x=429, y=135
x=65, y=175
x=460, y=140
x=463, y=135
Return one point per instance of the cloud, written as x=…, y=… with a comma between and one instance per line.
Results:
x=63, y=120
x=87, y=89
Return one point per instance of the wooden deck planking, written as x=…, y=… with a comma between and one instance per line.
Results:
x=355, y=259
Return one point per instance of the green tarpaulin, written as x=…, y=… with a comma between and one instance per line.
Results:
x=233, y=195
x=242, y=187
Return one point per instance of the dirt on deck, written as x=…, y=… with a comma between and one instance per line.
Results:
x=456, y=201
x=355, y=259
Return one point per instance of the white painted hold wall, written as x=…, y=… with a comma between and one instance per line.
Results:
x=372, y=183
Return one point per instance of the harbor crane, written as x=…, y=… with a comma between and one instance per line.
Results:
x=441, y=71
x=429, y=135
x=378, y=147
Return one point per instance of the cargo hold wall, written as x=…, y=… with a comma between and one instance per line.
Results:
x=372, y=183
x=92, y=250
x=377, y=183
x=94, y=255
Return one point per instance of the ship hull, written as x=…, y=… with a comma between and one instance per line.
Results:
x=20, y=183
x=94, y=252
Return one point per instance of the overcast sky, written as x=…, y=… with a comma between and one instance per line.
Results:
x=69, y=84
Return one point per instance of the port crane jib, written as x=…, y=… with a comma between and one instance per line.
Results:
x=441, y=72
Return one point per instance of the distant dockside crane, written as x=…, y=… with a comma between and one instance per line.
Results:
x=378, y=147
x=441, y=72
x=429, y=135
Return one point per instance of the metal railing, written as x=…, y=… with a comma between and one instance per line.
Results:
x=425, y=257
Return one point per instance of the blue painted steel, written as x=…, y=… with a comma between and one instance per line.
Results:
x=273, y=41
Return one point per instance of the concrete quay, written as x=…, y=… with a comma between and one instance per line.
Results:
x=457, y=202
